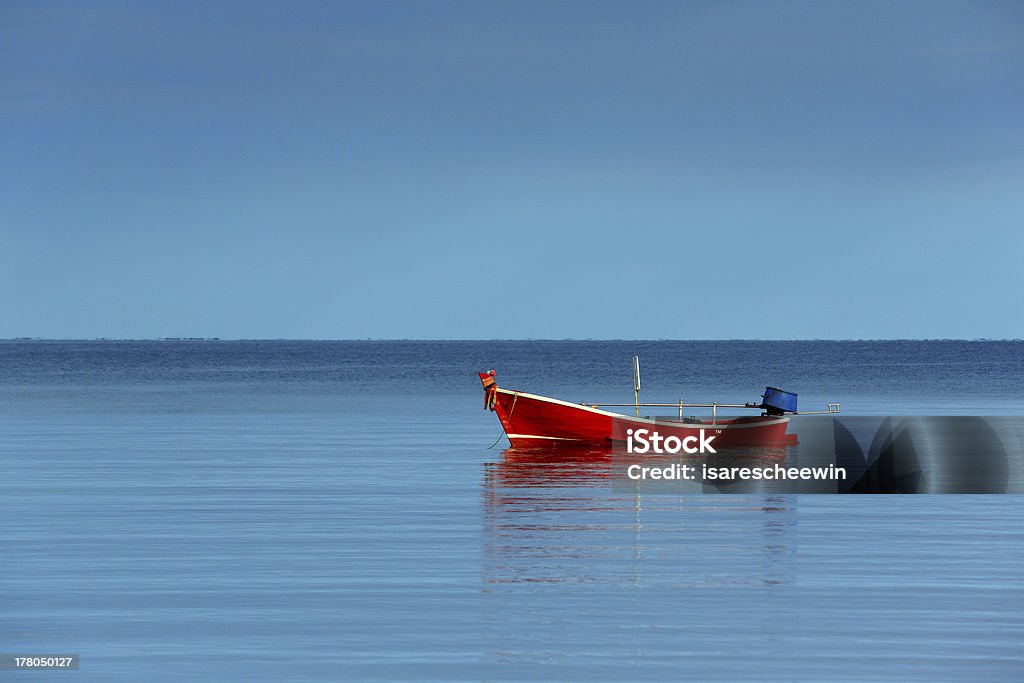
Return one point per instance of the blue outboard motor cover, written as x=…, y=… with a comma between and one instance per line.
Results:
x=778, y=400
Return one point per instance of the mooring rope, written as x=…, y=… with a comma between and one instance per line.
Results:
x=515, y=397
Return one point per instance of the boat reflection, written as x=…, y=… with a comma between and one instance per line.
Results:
x=551, y=515
x=550, y=466
x=561, y=466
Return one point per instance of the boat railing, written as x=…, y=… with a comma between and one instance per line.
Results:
x=833, y=408
x=776, y=402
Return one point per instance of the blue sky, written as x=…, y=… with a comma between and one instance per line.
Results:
x=516, y=170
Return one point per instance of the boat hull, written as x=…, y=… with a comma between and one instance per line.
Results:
x=531, y=420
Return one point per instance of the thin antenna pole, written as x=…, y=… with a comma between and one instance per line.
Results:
x=636, y=384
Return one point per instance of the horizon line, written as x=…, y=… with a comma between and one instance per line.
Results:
x=499, y=339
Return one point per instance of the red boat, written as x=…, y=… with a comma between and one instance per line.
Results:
x=532, y=420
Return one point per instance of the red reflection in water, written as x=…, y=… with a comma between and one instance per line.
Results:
x=552, y=516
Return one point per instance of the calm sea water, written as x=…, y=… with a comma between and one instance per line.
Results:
x=240, y=511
